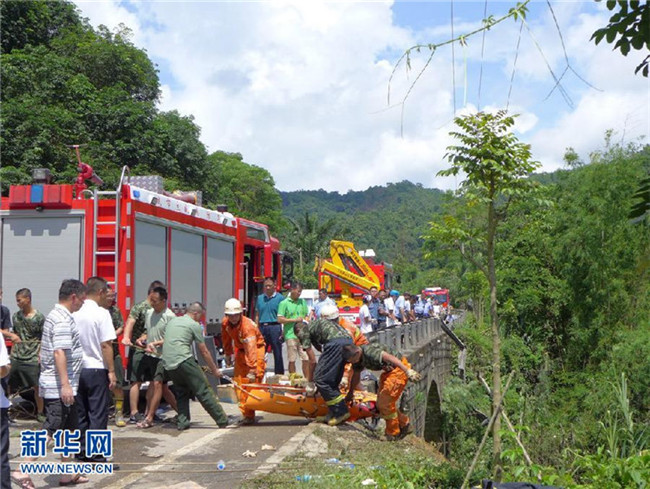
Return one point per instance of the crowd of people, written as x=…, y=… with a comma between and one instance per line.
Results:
x=386, y=308
x=71, y=360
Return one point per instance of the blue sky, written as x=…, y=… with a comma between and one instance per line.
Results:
x=300, y=87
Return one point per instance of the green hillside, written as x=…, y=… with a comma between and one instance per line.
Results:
x=389, y=219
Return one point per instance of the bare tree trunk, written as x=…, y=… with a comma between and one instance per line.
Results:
x=496, y=343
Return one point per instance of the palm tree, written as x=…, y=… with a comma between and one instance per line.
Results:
x=309, y=237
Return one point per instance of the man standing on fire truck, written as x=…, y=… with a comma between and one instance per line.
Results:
x=249, y=348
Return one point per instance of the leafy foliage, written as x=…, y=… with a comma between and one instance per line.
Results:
x=248, y=190
x=497, y=168
x=65, y=83
x=629, y=27
x=308, y=238
x=574, y=307
x=35, y=23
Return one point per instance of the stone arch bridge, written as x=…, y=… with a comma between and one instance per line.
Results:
x=427, y=343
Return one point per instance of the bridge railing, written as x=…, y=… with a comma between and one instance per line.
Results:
x=409, y=336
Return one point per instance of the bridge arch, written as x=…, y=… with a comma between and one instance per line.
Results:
x=427, y=343
x=433, y=417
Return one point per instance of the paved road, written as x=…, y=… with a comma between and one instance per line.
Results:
x=162, y=457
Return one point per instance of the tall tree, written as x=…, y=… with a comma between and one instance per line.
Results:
x=248, y=190
x=496, y=168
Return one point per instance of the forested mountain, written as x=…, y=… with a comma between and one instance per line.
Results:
x=389, y=219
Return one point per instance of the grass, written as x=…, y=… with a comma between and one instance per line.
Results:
x=407, y=464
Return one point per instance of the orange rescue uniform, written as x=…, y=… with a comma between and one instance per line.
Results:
x=359, y=339
x=391, y=385
x=357, y=336
x=246, y=342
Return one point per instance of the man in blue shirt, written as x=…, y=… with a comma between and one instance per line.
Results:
x=323, y=299
x=266, y=317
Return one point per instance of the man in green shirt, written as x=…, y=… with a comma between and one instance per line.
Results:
x=133, y=331
x=26, y=339
x=328, y=337
x=293, y=310
x=183, y=369
x=152, y=371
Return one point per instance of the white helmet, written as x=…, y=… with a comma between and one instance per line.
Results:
x=233, y=306
x=329, y=311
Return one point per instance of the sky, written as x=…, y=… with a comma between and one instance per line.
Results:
x=311, y=90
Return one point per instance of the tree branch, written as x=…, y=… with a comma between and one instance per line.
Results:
x=518, y=11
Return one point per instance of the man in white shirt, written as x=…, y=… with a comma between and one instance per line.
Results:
x=389, y=304
x=96, y=334
x=365, y=318
x=436, y=309
x=5, y=479
x=400, y=306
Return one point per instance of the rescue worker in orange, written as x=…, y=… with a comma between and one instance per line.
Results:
x=359, y=339
x=396, y=373
x=242, y=337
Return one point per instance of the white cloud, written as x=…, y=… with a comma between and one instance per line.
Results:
x=299, y=88
x=585, y=133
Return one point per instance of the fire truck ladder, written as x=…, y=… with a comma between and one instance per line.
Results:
x=106, y=233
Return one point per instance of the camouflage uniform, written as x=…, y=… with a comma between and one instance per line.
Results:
x=372, y=360
x=329, y=338
x=139, y=313
x=24, y=356
x=118, y=322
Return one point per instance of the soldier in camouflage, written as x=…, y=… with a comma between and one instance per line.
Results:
x=133, y=331
x=328, y=337
x=118, y=391
x=26, y=340
x=396, y=373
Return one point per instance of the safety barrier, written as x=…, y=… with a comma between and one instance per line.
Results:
x=409, y=336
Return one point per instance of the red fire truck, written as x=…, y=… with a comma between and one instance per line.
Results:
x=437, y=293
x=131, y=236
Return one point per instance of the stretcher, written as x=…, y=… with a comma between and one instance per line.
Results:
x=293, y=401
